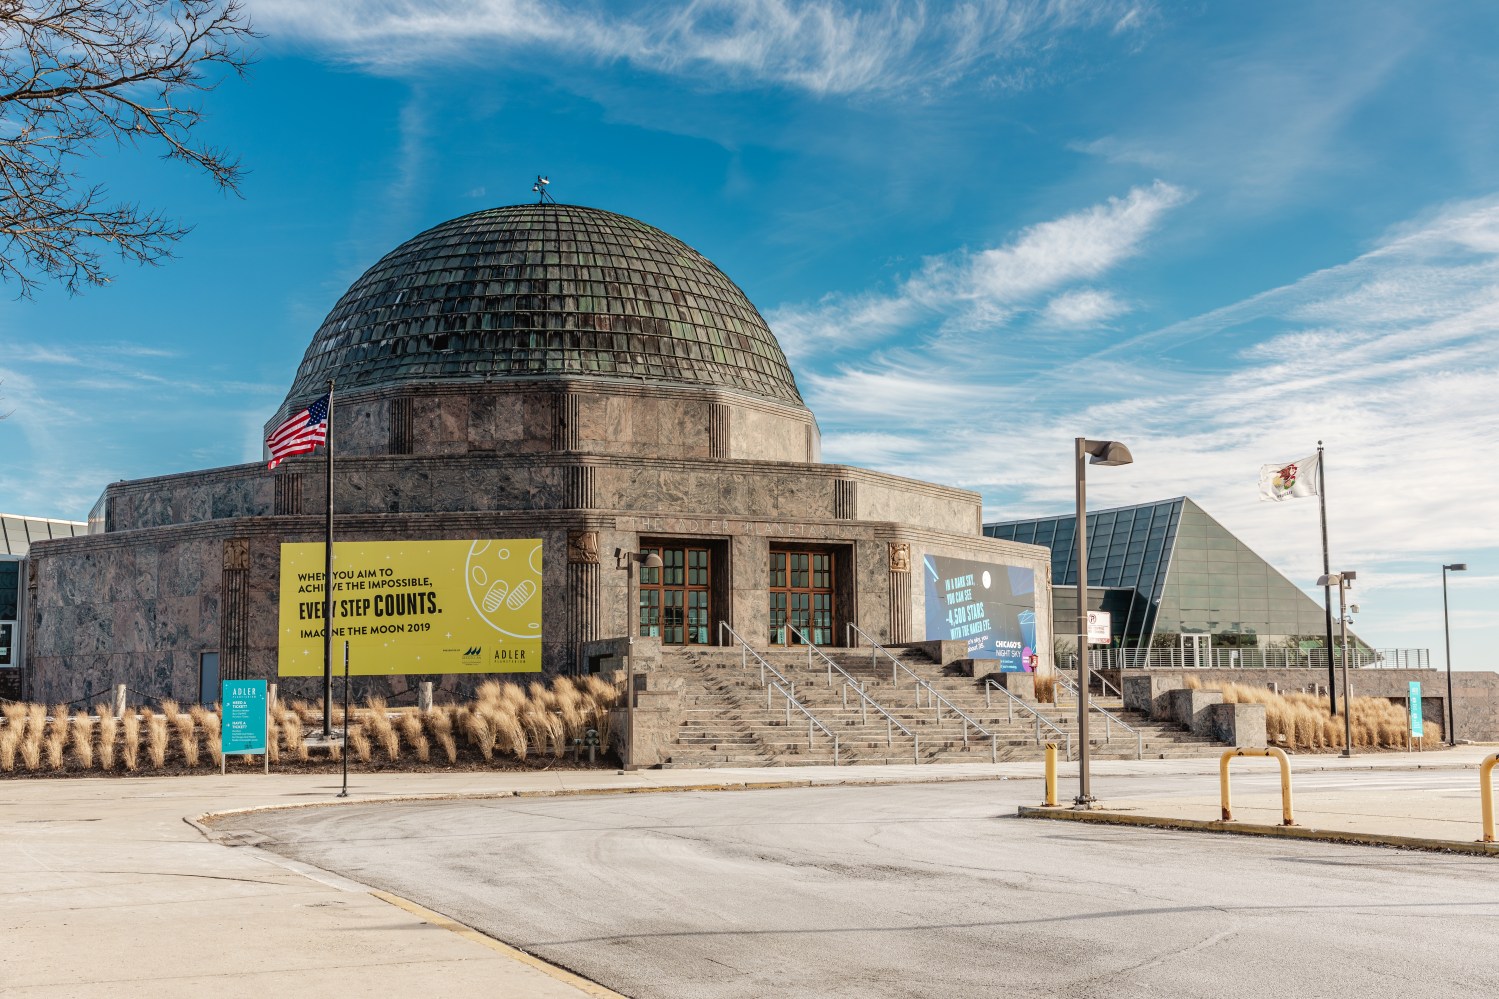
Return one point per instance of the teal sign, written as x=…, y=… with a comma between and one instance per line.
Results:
x=243, y=731
x=1415, y=702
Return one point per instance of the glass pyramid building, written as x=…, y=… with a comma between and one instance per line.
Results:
x=1172, y=577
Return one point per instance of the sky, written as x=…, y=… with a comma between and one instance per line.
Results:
x=1219, y=233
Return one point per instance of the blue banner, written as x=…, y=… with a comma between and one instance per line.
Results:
x=243, y=731
x=1415, y=702
x=992, y=607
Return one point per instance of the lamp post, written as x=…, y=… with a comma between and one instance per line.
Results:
x=1343, y=580
x=1087, y=452
x=627, y=561
x=1447, y=637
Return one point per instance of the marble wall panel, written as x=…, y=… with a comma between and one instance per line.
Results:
x=761, y=436
x=751, y=555
x=537, y=416
x=882, y=500
x=872, y=569
x=452, y=426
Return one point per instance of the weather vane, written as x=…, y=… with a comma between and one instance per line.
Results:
x=540, y=188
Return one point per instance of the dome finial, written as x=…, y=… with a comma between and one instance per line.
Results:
x=540, y=188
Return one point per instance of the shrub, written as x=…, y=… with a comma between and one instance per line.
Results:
x=130, y=746
x=157, y=738
x=109, y=730
x=411, y=731
x=83, y=740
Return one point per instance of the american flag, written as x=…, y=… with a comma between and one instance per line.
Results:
x=300, y=434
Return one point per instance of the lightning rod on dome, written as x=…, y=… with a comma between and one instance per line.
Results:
x=540, y=189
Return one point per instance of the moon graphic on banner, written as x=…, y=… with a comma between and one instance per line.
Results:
x=500, y=586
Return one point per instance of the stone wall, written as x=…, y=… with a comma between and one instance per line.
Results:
x=594, y=415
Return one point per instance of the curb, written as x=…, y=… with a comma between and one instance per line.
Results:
x=203, y=823
x=1253, y=829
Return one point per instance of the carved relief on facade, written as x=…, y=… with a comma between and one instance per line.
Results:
x=583, y=547
x=900, y=556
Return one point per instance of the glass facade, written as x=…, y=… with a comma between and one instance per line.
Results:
x=545, y=290
x=1168, y=571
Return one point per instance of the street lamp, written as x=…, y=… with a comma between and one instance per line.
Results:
x=1447, y=635
x=1087, y=453
x=1343, y=580
x=627, y=561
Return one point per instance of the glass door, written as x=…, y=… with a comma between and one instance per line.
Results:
x=674, y=599
x=801, y=597
x=1197, y=651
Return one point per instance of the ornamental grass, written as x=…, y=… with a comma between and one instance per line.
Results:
x=505, y=723
x=1298, y=720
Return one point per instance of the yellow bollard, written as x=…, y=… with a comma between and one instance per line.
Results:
x=1285, y=780
x=1486, y=793
x=1051, y=775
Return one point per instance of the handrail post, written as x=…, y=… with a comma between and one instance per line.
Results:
x=1285, y=780
x=1486, y=794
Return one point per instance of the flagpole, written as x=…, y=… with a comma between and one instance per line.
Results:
x=1332, y=676
x=328, y=581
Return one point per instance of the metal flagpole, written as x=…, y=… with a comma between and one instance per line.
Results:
x=328, y=581
x=1332, y=676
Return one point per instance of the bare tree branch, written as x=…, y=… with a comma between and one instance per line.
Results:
x=74, y=73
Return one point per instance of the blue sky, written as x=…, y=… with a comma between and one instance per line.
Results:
x=1219, y=232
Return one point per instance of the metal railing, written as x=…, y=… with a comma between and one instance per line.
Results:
x=891, y=722
x=991, y=685
x=935, y=699
x=1106, y=689
x=1109, y=719
x=1224, y=657
x=782, y=686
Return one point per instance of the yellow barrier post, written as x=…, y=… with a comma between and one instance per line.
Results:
x=1051, y=775
x=1486, y=793
x=1285, y=780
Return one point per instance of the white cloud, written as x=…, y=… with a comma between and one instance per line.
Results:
x=1086, y=307
x=967, y=291
x=1391, y=358
x=820, y=46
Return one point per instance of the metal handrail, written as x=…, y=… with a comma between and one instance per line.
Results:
x=812, y=720
x=785, y=688
x=990, y=684
x=936, y=696
x=1104, y=685
x=746, y=650
x=891, y=722
x=1109, y=720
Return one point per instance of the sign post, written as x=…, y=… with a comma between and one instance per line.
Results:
x=246, y=721
x=1414, y=700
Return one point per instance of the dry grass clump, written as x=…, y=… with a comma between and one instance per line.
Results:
x=439, y=722
x=109, y=731
x=130, y=744
x=157, y=737
x=1046, y=689
x=209, y=722
x=359, y=742
x=10, y=738
x=1299, y=720
x=377, y=720
x=83, y=740
x=476, y=727
x=57, y=737
x=416, y=738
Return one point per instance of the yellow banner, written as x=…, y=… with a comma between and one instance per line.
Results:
x=414, y=607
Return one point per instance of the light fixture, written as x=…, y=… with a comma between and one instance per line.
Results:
x=1087, y=452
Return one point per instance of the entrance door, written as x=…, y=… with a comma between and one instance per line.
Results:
x=675, y=605
x=801, y=595
x=1197, y=651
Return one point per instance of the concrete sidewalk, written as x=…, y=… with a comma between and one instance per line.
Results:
x=1333, y=800
x=107, y=886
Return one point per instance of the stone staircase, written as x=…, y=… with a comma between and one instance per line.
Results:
x=729, y=721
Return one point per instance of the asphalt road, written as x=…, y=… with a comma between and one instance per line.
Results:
x=916, y=890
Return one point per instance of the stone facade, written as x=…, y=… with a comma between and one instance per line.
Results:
x=189, y=563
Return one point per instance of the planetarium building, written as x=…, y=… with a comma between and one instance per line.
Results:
x=545, y=372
